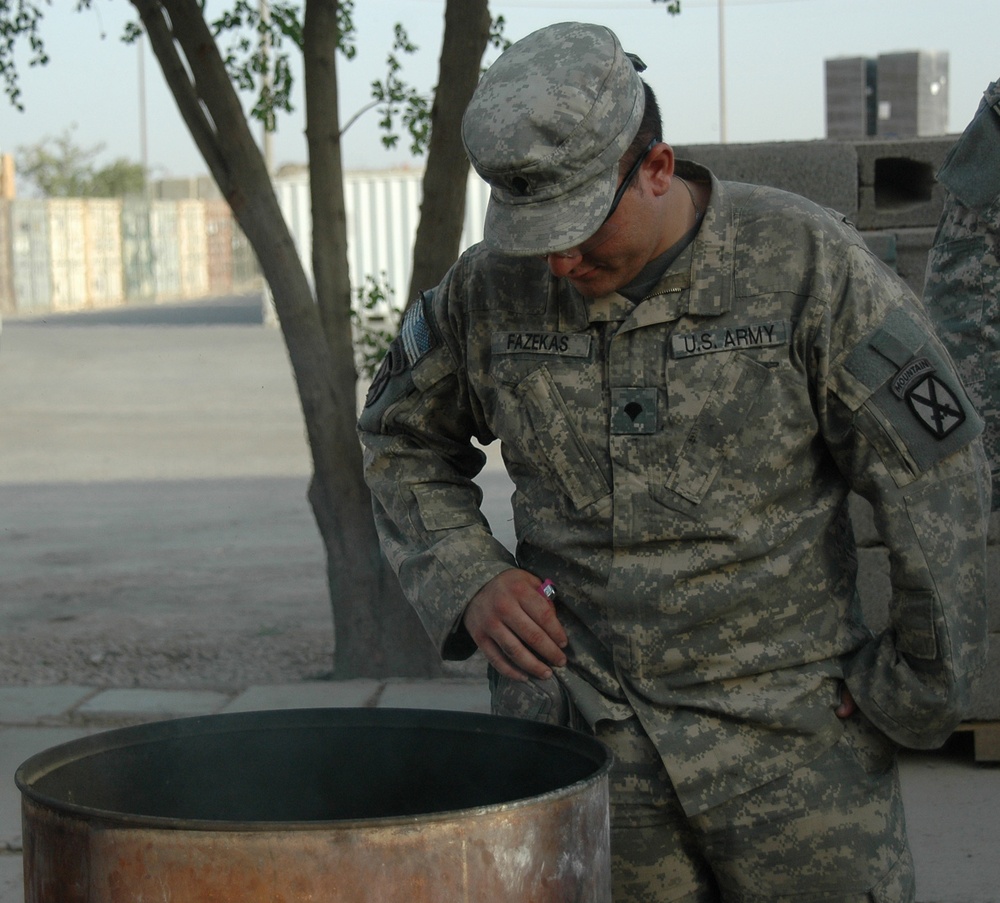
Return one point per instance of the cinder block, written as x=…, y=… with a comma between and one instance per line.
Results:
x=897, y=182
x=905, y=252
x=823, y=171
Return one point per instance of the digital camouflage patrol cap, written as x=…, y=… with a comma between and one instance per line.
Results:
x=546, y=128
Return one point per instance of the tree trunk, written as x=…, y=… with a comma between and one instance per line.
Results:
x=374, y=628
x=442, y=209
x=377, y=632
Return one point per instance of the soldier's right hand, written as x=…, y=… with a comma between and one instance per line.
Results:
x=516, y=626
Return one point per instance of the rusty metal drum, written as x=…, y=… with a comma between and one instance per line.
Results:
x=320, y=805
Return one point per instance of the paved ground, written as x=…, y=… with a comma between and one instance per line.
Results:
x=158, y=559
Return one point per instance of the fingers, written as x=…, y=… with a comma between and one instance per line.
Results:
x=847, y=705
x=516, y=626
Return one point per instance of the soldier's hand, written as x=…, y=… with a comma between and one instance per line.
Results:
x=516, y=626
x=847, y=705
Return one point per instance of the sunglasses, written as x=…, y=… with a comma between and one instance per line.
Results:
x=606, y=229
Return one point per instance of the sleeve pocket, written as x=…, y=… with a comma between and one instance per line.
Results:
x=912, y=615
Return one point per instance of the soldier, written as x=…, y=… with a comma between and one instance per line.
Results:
x=687, y=377
x=962, y=289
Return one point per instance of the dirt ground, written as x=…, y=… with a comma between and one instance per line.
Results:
x=154, y=525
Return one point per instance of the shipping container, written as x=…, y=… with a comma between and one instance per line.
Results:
x=30, y=259
x=383, y=211
x=166, y=250
x=246, y=270
x=67, y=244
x=139, y=280
x=193, y=248
x=219, y=227
x=293, y=198
x=7, y=300
x=103, y=238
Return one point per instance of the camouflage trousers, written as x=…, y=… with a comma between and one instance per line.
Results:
x=831, y=831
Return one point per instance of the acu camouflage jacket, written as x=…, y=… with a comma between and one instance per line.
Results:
x=682, y=468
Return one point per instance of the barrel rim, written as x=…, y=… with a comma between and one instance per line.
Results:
x=49, y=760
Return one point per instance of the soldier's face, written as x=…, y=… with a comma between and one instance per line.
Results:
x=639, y=228
x=612, y=257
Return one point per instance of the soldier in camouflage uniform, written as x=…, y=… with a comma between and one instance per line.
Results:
x=962, y=290
x=687, y=377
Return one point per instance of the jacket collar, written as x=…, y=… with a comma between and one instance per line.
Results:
x=699, y=282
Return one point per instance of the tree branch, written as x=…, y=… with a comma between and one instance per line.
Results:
x=161, y=39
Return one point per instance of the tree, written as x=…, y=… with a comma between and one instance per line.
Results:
x=120, y=178
x=60, y=168
x=376, y=631
x=442, y=212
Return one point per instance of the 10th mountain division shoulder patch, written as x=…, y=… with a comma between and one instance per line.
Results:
x=935, y=405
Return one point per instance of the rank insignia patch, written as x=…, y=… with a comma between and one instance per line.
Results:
x=935, y=406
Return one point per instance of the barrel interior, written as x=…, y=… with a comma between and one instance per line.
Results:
x=311, y=765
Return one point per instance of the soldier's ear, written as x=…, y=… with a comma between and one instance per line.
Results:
x=659, y=166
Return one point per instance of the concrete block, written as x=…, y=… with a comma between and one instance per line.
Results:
x=11, y=878
x=897, y=182
x=27, y=705
x=823, y=171
x=141, y=704
x=307, y=695
x=16, y=745
x=458, y=695
x=905, y=252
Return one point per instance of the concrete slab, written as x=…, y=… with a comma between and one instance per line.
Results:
x=27, y=705
x=318, y=694
x=11, y=878
x=460, y=695
x=143, y=703
x=16, y=745
x=953, y=822
x=824, y=171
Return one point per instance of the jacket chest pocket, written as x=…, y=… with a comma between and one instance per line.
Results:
x=536, y=424
x=712, y=438
x=709, y=432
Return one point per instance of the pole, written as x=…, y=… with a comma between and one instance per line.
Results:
x=267, y=136
x=143, y=143
x=722, y=75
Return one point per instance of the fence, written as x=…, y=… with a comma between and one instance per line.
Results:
x=383, y=209
x=77, y=254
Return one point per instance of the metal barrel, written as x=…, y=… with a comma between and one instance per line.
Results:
x=330, y=804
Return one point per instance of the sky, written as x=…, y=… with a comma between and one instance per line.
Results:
x=759, y=67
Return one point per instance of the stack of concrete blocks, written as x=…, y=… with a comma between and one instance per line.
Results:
x=889, y=191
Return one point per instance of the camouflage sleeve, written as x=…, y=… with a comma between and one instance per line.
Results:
x=416, y=428
x=962, y=289
x=904, y=432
